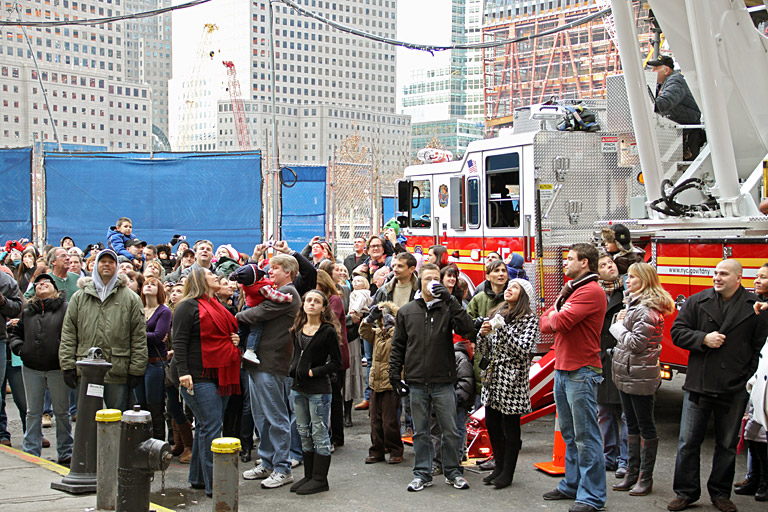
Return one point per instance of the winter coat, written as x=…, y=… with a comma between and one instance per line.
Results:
x=506, y=387
x=758, y=396
x=11, y=306
x=37, y=336
x=724, y=370
x=636, y=369
x=337, y=306
x=387, y=290
x=276, y=346
x=675, y=101
x=483, y=301
x=423, y=341
x=465, y=374
x=607, y=392
x=378, y=377
x=117, y=326
x=225, y=266
x=116, y=241
x=352, y=261
x=322, y=356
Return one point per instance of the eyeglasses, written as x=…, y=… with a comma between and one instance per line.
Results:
x=374, y=246
x=46, y=282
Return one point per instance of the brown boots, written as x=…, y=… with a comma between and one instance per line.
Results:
x=642, y=459
x=182, y=442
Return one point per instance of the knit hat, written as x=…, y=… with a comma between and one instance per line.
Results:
x=46, y=277
x=392, y=223
x=231, y=252
x=525, y=286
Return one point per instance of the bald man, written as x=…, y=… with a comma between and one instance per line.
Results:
x=723, y=335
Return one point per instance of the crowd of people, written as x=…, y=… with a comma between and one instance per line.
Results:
x=277, y=345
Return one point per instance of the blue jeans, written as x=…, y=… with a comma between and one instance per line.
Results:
x=254, y=337
x=12, y=377
x=151, y=390
x=272, y=416
x=613, y=428
x=175, y=406
x=208, y=407
x=576, y=401
x=115, y=396
x=35, y=384
x=440, y=399
x=693, y=428
x=313, y=415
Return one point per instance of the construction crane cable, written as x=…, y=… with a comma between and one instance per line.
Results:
x=101, y=21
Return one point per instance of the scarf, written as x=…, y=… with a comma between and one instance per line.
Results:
x=611, y=286
x=221, y=358
x=570, y=287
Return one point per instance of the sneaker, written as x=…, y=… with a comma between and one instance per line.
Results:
x=459, y=482
x=295, y=463
x=555, y=494
x=250, y=356
x=47, y=423
x=417, y=484
x=276, y=480
x=257, y=473
x=436, y=470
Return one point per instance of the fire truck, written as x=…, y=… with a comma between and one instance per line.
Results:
x=535, y=190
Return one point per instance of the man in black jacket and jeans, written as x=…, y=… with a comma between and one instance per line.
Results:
x=423, y=343
x=724, y=336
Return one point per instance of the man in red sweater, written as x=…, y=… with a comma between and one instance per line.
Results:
x=577, y=321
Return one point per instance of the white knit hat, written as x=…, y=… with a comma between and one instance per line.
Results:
x=233, y=254
x=526, y=287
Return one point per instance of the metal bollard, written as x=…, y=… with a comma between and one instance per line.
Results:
x=82, y=474
x=139, y=457
x=226, y=476
x=108, y=442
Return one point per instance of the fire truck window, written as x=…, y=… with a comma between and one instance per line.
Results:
x=473, y=202
x=503, y=186
x=421, y=204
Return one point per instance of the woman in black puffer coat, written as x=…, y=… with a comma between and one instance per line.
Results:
x=35, y=340
x=636, y=371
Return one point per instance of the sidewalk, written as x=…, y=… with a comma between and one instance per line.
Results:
x=25, y=485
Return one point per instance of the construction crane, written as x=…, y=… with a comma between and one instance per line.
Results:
x=238, y=111
x=194, y=85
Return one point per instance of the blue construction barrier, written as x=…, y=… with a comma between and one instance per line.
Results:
x=214, y=196
x=304, y=205
x=16, y=199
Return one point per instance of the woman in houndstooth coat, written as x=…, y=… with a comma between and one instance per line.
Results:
x=506, y=341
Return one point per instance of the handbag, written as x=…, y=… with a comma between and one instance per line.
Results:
x=169, y=383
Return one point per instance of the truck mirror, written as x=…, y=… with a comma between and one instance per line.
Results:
x=404, y=196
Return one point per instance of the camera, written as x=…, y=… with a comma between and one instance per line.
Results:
x=478, y=322
x=269, y=243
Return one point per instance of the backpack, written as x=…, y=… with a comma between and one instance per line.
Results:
x=578, y=118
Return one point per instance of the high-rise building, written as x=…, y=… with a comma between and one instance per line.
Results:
x=148, y=56
x=91, y=101
x=328, y=84
x=445, y=101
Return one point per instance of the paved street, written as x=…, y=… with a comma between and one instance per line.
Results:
x=381, y=487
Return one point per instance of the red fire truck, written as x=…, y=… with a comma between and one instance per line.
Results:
x=534, y=190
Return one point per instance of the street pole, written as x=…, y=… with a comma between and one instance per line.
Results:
x=275, y=158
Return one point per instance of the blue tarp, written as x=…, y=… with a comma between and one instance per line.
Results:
x=303, y=206
x=216, y=196
x=16, y=199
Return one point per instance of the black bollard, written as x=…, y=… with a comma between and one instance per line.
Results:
x=90, y=397
x=138, y=458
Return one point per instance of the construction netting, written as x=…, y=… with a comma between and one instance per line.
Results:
x=303, y=204
x=15, y=210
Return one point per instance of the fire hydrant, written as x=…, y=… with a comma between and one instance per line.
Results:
x=138, y=458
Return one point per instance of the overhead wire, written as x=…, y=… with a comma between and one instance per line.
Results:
x=101, y=21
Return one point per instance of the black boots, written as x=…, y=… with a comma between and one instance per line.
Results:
x=348, y=414
x=498, y=457
x=158, y=420
x=319, y=482
x=633, y=464
x=644, y=486
x=309, y=463
x=510, y=464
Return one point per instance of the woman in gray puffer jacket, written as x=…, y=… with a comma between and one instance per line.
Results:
x=636, y=371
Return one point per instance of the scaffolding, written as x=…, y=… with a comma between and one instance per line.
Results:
x=570, y=64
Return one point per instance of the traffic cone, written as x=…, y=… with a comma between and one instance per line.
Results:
x=557, y=466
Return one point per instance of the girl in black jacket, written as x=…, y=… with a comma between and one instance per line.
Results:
x=316, y=357
x=36, y=341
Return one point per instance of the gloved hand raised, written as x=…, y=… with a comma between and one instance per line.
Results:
x=439, y=291
x=374, y=313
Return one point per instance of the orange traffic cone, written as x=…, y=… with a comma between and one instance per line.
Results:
x=557, y=466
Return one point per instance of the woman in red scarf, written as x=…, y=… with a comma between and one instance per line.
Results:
x=208, y=362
